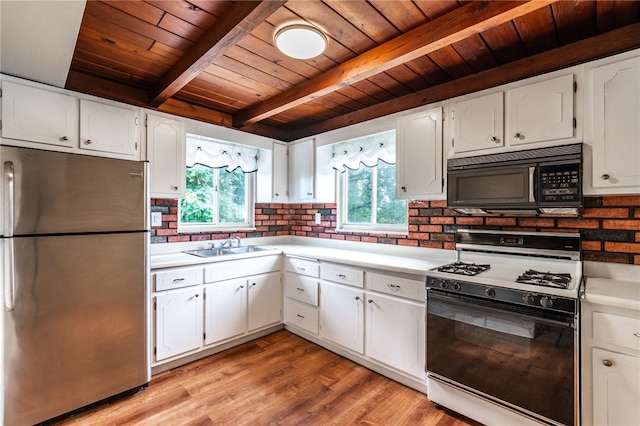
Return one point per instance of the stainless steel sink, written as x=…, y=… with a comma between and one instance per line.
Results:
x=226, y=251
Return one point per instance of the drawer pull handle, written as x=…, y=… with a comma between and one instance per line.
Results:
x=394, y=287
x=177, y=280
x=607, y=363
x=636, y=334
x=300, y=268
x=342, y=276
x=299, y=289
x=300, y=316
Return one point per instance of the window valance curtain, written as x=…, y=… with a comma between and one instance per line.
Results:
x=218, y=155
x=367, y=151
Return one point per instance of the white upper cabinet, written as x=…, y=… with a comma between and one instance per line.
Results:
x=419, y=155
x=614, y=127
x=31, y=114
x=166, y=155
x=478, y=123
x=541, y=111
x=280, y=168
x=302, y=169
x=108, y=128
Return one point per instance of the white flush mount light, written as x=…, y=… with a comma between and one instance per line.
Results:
x=301, y=41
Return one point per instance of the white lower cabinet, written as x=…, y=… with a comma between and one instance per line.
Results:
x=610, y=379
x=178, y=320
x=264, y=300
x=225, y=310
x=342, y=315
x=395, y=331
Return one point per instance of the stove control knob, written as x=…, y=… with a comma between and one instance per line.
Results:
x=456, y=286
x=444, y=284
x=489, y=292
x=529, y=299
x=546, y=302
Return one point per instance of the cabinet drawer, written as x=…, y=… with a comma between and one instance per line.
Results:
x=227, y=270
x=302, y=267
x=301, y=315
x=616, y=330
x=301, y=288
x=397, y=286
x=177, y=278
x=342, y=274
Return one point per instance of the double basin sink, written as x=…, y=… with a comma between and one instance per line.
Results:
x=219, y=251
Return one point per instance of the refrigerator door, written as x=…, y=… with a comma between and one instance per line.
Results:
x=58, y=193
x=77, y=333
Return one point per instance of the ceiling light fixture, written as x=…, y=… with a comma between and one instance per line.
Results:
x=301, y=41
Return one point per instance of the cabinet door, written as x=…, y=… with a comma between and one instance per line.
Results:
x=616, y=388
x=166, y=155
x=265, y=300
x=36, y=115
x=342, y=316
x=419, y=155
x=396, y=333
x=302, y=170
x=616, y=125
x=280, y=172
x=178, y=318
x=541, y=112
x=225, y=310
x=108, y=128
x=478, y=123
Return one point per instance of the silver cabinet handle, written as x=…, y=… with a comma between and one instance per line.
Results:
x=518, y=136
x=88, y=142
x=300, y=316
x=253, y=284
x=63, y=139
x=8, y=182
x=370, y=300
x=342, y=276
x=299, y=289
x=358, y=298
x=636, y=334
x=607, y=363
x=300, y=268
x=494, y=139
x=394, y=287
x=605, y=177
x=177, y=280
x=242, y=286
x=175, y=187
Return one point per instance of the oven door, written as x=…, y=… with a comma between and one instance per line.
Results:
x=507, y=353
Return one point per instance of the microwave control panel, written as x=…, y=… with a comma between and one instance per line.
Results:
x=560, y=183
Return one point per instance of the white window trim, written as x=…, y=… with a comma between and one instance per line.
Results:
x=227, y=227
x=343, y=226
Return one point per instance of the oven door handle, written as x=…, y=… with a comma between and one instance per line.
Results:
x=484, y=306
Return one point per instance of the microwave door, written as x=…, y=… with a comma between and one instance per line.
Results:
x=492, y=187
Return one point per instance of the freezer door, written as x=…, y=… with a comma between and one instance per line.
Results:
x=77, y=333
x=58, y=193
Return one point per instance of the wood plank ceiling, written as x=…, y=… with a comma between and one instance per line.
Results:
x=216, y=61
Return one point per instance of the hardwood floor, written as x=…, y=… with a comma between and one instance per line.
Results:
x=280, y=379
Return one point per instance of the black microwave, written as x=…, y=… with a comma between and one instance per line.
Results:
x=544, y=180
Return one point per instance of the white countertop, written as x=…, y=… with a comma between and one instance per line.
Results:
x=409, y=260
x=612, y=285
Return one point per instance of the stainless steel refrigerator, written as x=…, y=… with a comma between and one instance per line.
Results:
x=74, y=278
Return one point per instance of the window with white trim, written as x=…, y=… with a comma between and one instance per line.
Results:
x=367, y=185
x=220, y=186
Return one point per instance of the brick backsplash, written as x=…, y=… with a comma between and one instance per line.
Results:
x=609, y=225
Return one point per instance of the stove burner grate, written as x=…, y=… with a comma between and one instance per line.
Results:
x=546, y=279
x=463, y=268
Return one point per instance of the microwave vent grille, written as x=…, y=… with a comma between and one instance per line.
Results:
x=530, y=154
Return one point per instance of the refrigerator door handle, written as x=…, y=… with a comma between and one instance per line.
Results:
x=8, y=268
x=8, y=204
x=8, y=207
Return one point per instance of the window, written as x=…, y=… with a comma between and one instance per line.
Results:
x=367, y=200
x=219, y=191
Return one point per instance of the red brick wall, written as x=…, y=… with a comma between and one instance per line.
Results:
x=609, y=225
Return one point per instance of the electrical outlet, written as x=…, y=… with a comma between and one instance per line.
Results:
x=156, y=219
x=318, y=218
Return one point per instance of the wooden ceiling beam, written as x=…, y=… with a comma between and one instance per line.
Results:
x=472, y=18
x=617, y=41
x=237, y=21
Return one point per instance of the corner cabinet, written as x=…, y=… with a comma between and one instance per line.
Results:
x=166, y=155
x=419, y=155
x=614, y=127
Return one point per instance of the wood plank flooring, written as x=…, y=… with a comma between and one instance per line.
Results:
x=280, y=379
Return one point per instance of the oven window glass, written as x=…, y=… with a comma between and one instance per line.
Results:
x=525, y=361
